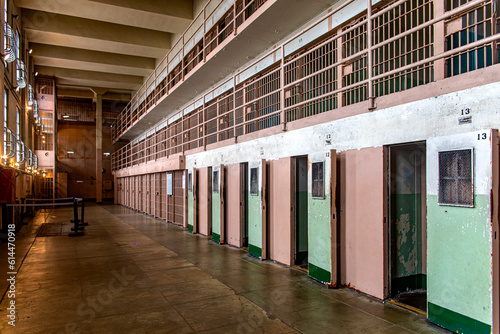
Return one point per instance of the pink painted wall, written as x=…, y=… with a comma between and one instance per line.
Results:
x=203, y=213
x=362, y=219
x=233, y=199
x=279, y=202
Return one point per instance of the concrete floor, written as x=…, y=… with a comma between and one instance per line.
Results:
x=134, y=274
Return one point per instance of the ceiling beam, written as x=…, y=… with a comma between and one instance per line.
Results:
x=64, y=57
x=91, y=78
x=62, y=30
x=86, y=93
x=168, y=16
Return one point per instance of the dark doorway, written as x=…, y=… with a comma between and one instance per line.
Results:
x=301, y=211
x=407, y=233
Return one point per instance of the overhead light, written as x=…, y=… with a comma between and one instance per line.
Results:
x=29, y=107
x=107, y=154
x=65, y=116
x=5, y=156
x=43, y=174
x=71, y=152
x=17, y=89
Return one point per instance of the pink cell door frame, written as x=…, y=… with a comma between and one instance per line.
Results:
x=222, y=192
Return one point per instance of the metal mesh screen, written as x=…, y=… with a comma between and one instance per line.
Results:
x=455, y=178
x=318, y=180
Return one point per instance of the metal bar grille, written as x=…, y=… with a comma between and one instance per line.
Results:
x=333, y=72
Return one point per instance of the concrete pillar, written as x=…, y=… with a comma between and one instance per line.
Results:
x=98, y=93
x=98, y=148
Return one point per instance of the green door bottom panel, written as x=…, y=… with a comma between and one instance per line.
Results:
x=454, y=321
x=319, y=274
x=216, y=237
x=190, y=228
x=255, y=251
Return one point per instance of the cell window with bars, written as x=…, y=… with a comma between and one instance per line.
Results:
x=215, y=181
x=254, y=181
x=318, y=180
x=456, y=186
x=472, y=26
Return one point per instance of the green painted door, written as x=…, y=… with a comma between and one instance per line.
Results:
x=191, y=200
x=459, y=231
x=218, y=204
x=322, y=217
x=257, y=228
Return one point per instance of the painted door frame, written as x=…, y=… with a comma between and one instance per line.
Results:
x=243, y=203
x=222, y=193
x=185, y=197
x=335, y=238
x=264, y=208
x=495, y=221
x=387, y=210
x=195, y=201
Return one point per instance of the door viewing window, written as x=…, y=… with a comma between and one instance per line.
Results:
x=455, y=178
x=318, y=180
x=254, y=181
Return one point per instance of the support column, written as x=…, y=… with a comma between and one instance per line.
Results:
x=98, y=93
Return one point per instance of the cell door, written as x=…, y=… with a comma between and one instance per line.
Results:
x=178, y=198
x=218, y=211
x=170, y=198
x=233, y=204
x=281, y=210
x=322, y=217
x=204, y=202
x=257, y=209
x=192, y=200
x=462, y=231
x=157, y=195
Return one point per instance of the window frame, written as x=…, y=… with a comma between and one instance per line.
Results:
x=254, y=192
x=313, y=195
x=439, y=200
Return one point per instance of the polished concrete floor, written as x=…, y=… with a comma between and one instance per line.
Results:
x=134, y=274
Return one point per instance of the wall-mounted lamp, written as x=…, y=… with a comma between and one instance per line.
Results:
x=30, y=51
x=36, y=74
x=107, y=154
x=65, y=116
x=71, y=152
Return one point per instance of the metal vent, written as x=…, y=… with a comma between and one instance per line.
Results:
x=21, y=74
x=31, y=95
x=9, y=144
x=9, y=44
x=318, y=180
x=455, y=178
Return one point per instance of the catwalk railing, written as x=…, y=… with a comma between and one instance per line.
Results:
x=389, y=49
x=217, y=20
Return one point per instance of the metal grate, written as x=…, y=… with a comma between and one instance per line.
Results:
x=475, y=25
x=455, y=178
